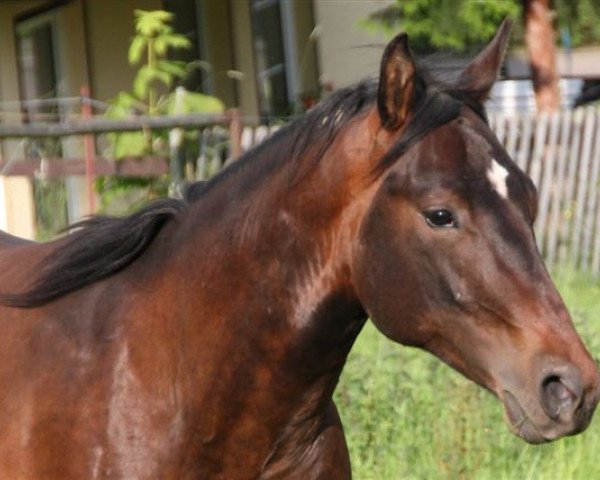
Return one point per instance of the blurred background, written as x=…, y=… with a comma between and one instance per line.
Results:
x=107, y=104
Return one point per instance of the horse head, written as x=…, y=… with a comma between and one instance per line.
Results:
x=447, y=260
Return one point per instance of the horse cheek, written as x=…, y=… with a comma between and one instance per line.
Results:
x=385, y=281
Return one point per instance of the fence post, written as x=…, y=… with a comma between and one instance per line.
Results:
x=89, y=150
x=176, y=155
x=235, y=134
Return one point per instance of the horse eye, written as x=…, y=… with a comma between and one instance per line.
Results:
x=440, y=218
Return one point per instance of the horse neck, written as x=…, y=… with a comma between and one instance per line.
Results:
x=284, y=255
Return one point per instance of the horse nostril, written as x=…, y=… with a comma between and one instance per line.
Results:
x=556, y=397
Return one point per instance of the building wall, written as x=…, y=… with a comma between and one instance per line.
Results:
x=215, y=29
x=306, y=48
x=110, y=28
x=16, y=193
x=9, y=81
x=241, y=31
x=346, y=50
x=102, y=53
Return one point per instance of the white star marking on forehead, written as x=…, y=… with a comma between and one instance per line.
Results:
x=497, y=175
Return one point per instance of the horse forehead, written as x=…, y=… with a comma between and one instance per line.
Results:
x=464, y=157
x=483, y=155
x=456, y=150
x=490, y=159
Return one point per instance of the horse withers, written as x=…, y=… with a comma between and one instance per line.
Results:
x=204, y=338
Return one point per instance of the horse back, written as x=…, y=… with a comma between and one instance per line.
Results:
x=7, y=241
x=19, y=259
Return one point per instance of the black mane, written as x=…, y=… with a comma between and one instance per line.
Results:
x=102, y=246
x=318, y=126
x=97, y=248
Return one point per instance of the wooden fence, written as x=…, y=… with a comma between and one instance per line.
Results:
x=561, y=153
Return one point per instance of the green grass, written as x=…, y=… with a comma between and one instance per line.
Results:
x=408, y=416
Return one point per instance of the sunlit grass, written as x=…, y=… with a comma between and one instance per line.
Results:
x=408, y=416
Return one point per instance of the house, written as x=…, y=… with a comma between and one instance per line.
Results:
x=260, y=56
x=265, y=57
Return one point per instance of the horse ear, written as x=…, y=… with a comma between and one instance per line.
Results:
x=397, y=80
x=480, y=75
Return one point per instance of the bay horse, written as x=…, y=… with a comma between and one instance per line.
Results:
x=203, y=338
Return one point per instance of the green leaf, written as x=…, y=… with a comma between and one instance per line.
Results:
x=150, y=24
x=163, y=42
x=146, y=75
x=141, y=82
x=129, y=144
x=136, y=49
x=160, y=15
x=175, y=68
x=164, y=77
x=123, y=105
x=178, y=41
x=160, y=46
x=195, y=103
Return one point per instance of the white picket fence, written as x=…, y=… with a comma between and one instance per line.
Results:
x=561, y=153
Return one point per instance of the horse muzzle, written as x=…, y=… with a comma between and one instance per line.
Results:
x=563, y=405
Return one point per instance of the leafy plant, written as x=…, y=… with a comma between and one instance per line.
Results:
x=152, y=93
x=464, y=25
x=458, y=25
x=580, y=19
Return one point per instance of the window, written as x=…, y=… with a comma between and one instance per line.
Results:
x=38, y=72
x=269, y=51
x=38, y=78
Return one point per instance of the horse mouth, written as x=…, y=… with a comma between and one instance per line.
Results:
x=520, y=424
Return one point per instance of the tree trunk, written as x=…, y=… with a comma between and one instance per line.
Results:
x=539, y=38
